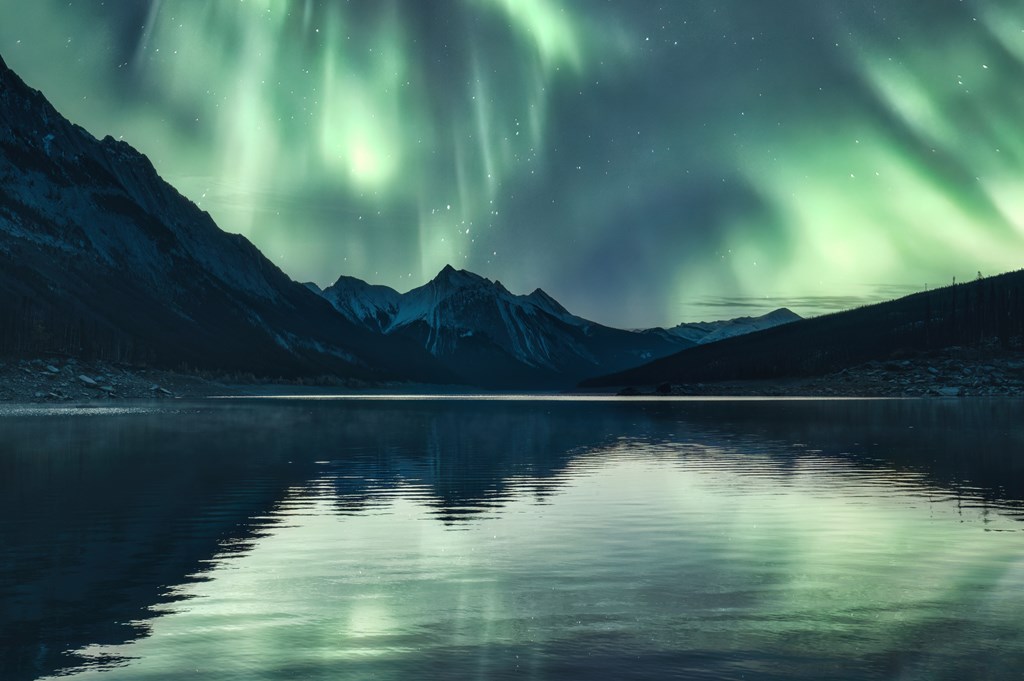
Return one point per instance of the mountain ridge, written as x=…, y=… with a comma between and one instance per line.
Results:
x=709, y=332
x=462, y=318
x=101, y=257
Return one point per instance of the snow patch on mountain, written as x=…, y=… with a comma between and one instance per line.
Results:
x=367, y=304
x=709, y=332
x=457, y=304
x=459, y=307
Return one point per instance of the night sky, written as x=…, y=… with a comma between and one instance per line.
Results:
x=644, y=162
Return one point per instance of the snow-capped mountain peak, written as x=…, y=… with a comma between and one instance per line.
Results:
x=709, y=332
x=495, y=337
x=492, y=336
x=450, y=278
x=368, y=304
x=541, y=300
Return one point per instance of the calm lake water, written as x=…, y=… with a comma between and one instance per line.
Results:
x=522, y=539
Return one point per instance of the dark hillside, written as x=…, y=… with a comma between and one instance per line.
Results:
x=102, y=259
x=981, y=312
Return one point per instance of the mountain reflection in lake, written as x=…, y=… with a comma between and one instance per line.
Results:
x=545, y=539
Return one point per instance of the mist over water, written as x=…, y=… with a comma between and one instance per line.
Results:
x=535, y=539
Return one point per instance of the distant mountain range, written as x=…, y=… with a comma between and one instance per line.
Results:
x=489, y=336
x=100, y=257
x=701, y=333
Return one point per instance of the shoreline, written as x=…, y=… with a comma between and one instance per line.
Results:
x=953, y=373
x=53, y=380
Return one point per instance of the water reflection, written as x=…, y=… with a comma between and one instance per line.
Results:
x=289, y=539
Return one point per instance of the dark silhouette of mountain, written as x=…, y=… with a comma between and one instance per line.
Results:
x=984, y=312
x=99, y=257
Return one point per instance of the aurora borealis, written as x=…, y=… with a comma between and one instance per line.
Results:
x=644, y=162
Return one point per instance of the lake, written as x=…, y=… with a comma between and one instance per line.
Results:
x=526, y=538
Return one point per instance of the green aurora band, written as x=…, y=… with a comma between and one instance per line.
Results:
x=646, y=163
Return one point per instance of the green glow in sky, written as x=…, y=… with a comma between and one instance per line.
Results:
x=645, y=163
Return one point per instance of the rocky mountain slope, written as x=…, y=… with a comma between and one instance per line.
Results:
x=99, y=257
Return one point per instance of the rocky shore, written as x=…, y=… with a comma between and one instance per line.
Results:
x=956, y=372
x=953, y=373
x=72, y=380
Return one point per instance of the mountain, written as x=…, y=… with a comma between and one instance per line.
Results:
x=987, y=313
x=100, y=257
x=492, y=337
x=366, y=304
x=700, y=333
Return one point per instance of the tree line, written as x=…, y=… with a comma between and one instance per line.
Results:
x=30, y=328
